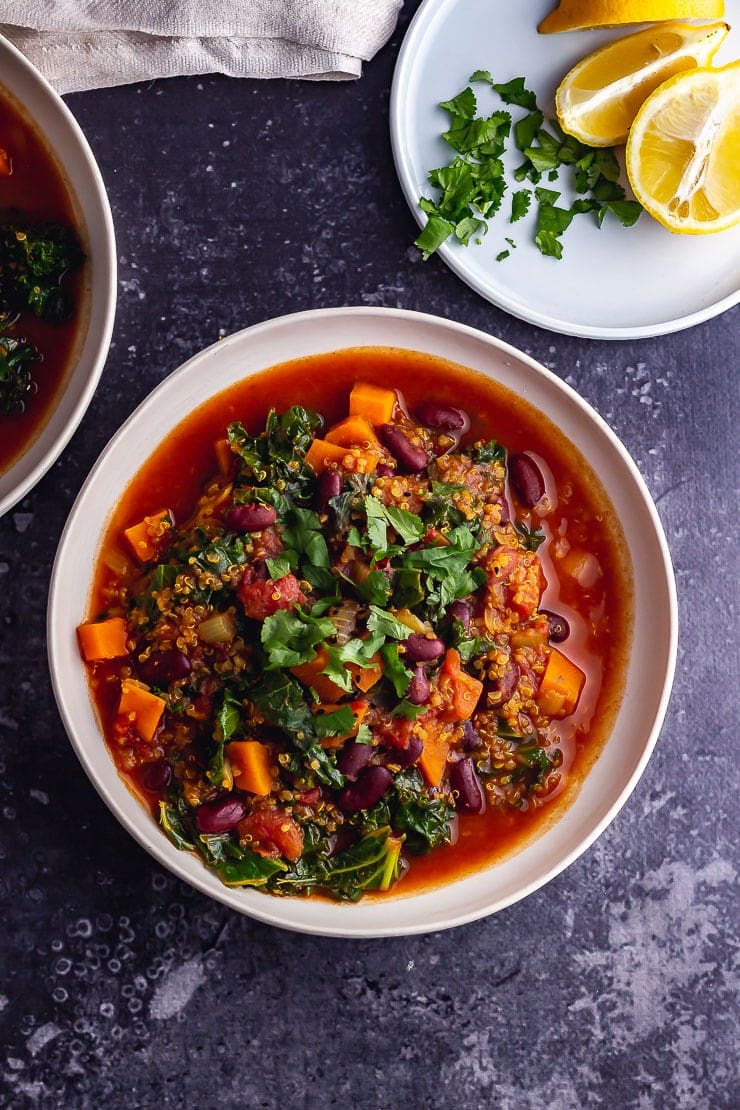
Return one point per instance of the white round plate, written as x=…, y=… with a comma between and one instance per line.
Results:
x=613, y=283
x=52, y=118
x=652, y=659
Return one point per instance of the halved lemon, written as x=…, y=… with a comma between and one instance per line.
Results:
x=576, y=15
x=599, y=98
x=682, y=152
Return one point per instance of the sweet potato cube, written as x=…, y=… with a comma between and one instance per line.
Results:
x=322, y=454
x=373, y=402
x=461, y=692
x=365, y=678
x=561, y=686
x=355, y=431
x=433, y=758
x=224, y=456
x=310, y=675
x=250, y=765
x=145, y=537
x=141, y=707
x=103, y=640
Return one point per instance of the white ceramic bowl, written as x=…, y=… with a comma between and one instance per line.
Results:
x=652, y=660
x=63, y=136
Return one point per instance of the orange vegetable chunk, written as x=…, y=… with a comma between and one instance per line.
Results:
x=460, y=690
x=224, y=456
x=321, y=454
x=433, y=758
x=373, y=402
x=251, y=766
x=103, y=639
x=355, y=431
x=144, y=537
x=310, y=675
x=561, y=686
x=365, y=678
x=143, y=708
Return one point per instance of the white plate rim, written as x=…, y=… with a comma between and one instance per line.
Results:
x=148, y=834
x=104, y=291
x=455, y=260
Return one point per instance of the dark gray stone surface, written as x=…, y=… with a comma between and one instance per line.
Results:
x=613, y=986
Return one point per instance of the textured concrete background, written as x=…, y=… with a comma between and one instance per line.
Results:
x=615, y=985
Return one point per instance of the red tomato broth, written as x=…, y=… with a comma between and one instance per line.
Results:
x=36, y=187
x=600, y=618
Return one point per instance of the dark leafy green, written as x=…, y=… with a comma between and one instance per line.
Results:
x=16, y=356
x=34, y=258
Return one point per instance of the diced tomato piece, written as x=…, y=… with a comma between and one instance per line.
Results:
x=395, y=732
x=263, y=598
x=273, y=833
x=271, y=543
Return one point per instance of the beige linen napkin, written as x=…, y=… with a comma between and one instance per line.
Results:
x=89, y=44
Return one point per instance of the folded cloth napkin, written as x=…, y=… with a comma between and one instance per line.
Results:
x=90, y=44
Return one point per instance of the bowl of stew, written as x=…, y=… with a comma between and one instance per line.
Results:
x=57, y=275
x=364, y=623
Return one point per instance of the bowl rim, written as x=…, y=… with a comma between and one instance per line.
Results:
x=104, y=291
x=141, y=826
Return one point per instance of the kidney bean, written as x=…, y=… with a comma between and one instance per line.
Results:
x=384, y=470
x=156, y=776
x=250, y=518
x=526, y=478
x=406, y=757
x=559, y=627
x=353, y=758
x=220, y=816
x=419, y=688
x=460, y=611
x=409, y=456
x=445, y=417
x=502, y=688
x=370, y=787
x=466, y=785
x=471, y=738
x=423, y=649
x=164, y=666
x=329, y=485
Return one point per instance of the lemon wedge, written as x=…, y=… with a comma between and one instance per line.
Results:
x=577, y=15
x=599, y=98
x=682, y=152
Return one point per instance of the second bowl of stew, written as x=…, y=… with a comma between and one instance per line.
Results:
x=364, y=623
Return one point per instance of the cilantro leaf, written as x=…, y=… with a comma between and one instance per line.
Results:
x=289, y=637
x=433, y=235
x=385, y=623
x=525, y=130
x=281, y=565
x=394, y=670
x=469, y=227
x=407, y=709
x=463, y=104
x=514, y=92
x=520, y=202
x=336, y=723
x=549, y=244
x=626, y=211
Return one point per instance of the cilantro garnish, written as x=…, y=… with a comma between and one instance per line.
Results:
x=471, y=186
